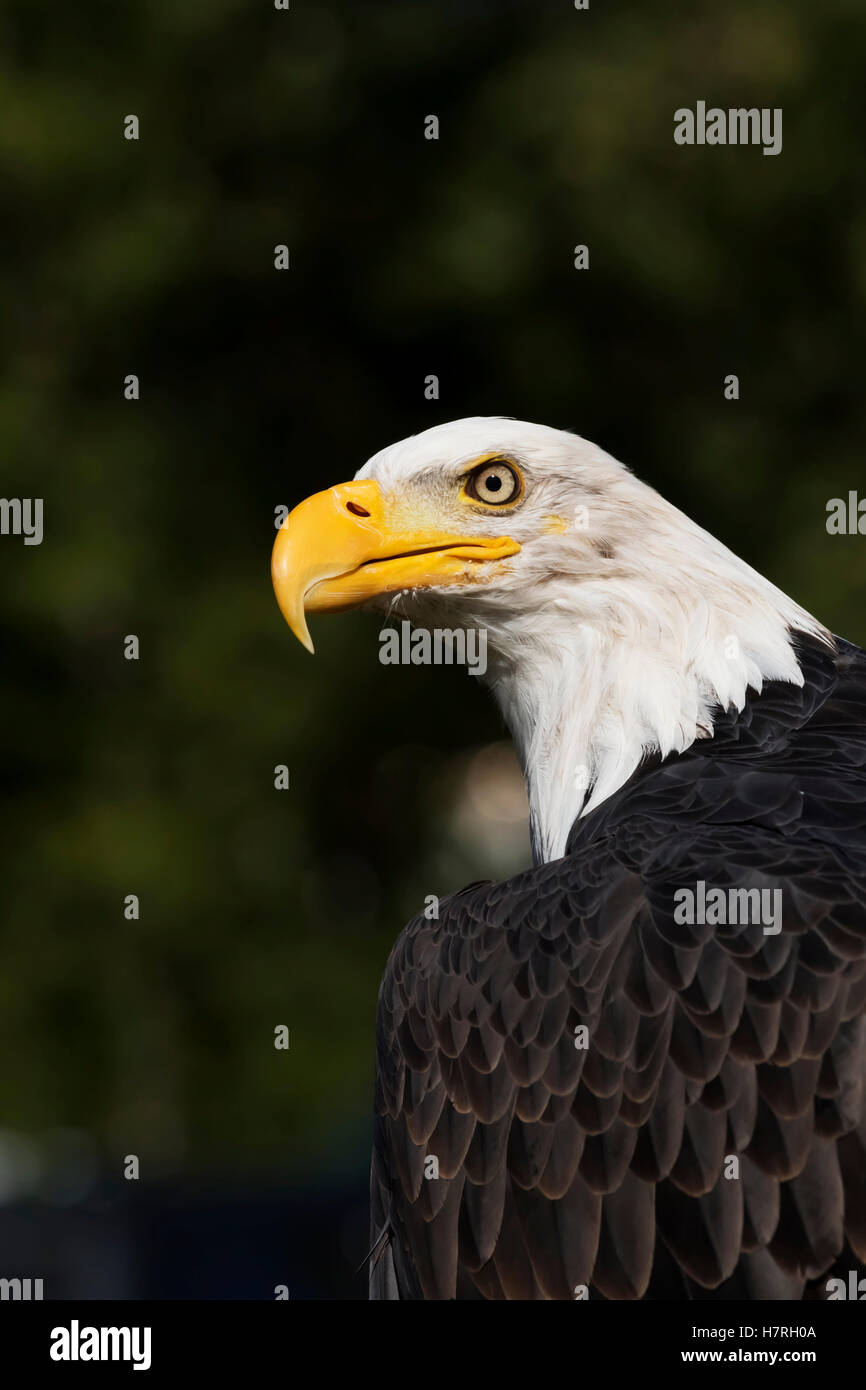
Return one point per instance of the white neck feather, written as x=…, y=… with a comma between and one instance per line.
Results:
x=607, y=668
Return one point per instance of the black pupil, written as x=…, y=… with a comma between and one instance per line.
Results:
x=494, y=482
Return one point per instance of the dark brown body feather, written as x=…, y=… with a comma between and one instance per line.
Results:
x=561, y=1167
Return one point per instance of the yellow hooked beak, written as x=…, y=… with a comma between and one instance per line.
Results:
x=344, y=546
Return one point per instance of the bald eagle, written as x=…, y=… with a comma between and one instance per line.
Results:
x=639, y=1065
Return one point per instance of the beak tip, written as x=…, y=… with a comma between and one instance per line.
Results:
x=290, y=598
x=298, y=624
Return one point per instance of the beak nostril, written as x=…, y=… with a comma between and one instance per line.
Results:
x=356, y=509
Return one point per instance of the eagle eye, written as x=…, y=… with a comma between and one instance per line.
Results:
x=495, y=483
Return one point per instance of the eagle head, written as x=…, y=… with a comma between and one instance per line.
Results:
x=483, y=519
x=615, y=626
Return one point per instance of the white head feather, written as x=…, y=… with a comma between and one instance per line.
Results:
x=615, y=631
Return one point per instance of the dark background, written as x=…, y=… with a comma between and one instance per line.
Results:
x=408, y=257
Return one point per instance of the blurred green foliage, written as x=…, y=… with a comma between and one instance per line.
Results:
x=408, y=257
